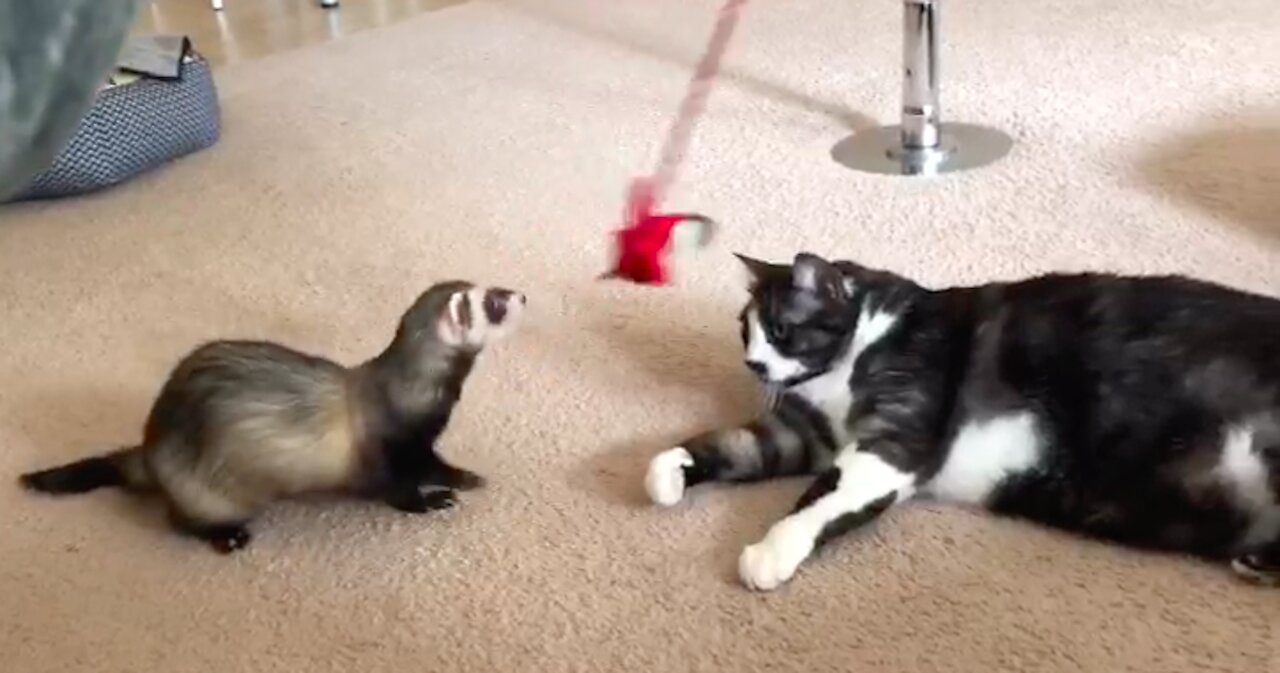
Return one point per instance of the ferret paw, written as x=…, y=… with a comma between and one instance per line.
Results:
x=665, y=482
x=227, y=539
x=1252, y=569
x=439, y=499
x=420, y=502
x=465, y=480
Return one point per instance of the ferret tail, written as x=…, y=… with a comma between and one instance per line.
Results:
x=123, y=468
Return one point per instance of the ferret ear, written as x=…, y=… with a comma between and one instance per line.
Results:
x=814, y=274
x=456, y=320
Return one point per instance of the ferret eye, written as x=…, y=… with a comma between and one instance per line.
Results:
x=495, y=305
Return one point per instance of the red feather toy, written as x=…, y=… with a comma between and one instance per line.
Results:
x=649, y=239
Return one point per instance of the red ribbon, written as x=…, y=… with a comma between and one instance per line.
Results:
x=644, y=242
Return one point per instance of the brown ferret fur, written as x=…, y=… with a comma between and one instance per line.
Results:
x=240, y=424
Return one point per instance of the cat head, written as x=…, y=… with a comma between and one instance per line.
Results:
x=799, y=319
x=462, y=315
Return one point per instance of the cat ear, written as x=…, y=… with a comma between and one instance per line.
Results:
x=812, y=273
x=759, y=269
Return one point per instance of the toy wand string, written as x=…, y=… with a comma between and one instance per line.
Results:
x=646, y=239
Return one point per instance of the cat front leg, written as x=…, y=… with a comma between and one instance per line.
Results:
x=790, y=440
x=858, y=487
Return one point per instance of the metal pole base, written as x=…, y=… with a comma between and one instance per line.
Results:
x=922, y=144
x=961, y=147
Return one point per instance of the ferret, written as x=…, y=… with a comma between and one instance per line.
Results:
x=240, y=424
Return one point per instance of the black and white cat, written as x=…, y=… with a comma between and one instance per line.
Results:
x=1143, y=410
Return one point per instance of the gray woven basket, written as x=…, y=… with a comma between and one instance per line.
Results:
x=133, y=128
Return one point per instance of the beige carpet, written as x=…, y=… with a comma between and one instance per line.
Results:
x=492, y=141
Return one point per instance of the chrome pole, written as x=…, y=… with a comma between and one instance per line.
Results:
x=920, y=74
x=921, y=144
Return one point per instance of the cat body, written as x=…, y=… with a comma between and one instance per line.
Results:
x=241, y=424
x=1142, y=410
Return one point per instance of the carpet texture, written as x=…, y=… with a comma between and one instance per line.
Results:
x=493, y=141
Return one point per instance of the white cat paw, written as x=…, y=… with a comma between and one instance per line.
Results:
x=769, y=563
x=665, y=480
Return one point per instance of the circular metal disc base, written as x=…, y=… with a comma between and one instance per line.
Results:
x=963, y=146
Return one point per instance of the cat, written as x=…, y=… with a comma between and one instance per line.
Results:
x=240, y=424
x=1142, y=410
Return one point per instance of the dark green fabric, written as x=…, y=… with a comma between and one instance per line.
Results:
x=54, y=54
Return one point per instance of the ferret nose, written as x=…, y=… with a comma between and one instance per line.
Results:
x=759, y=368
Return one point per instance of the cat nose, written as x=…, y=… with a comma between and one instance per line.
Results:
x=758, y=368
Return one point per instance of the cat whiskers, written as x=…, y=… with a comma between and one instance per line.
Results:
x=772, y=395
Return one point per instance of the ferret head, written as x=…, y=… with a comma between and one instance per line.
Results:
x=463, y=315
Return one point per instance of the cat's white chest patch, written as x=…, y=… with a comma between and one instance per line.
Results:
x=831, y=393
x=1245, y=475
x=985, y=453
